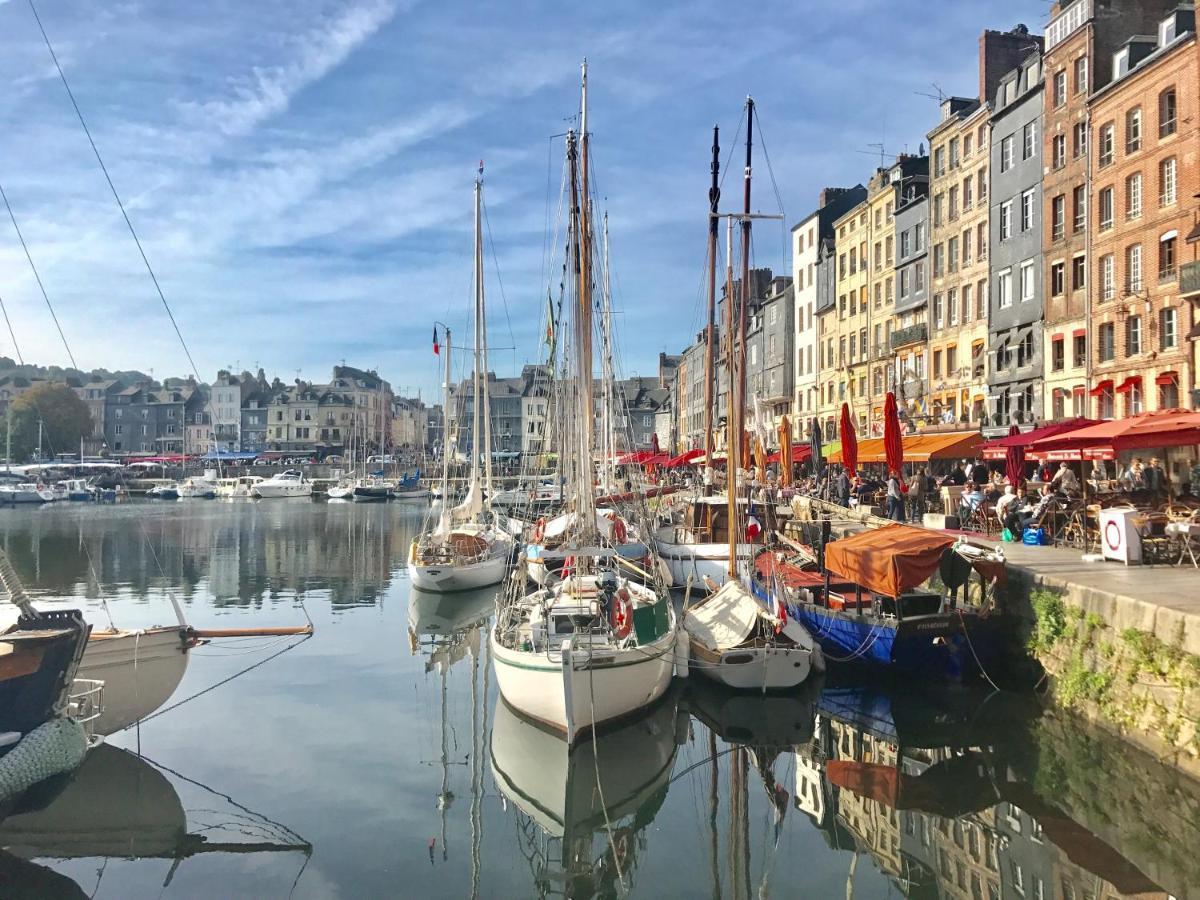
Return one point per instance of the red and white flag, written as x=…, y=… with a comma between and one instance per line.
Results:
x=753, y=528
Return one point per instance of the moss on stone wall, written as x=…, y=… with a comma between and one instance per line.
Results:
x=1131, y=680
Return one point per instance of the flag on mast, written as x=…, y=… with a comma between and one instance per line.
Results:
x=437, y=350
x=550, y=324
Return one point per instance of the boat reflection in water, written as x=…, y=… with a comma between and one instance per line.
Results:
x=583, y=811
x=119, y=805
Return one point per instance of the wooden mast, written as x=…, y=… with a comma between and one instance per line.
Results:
x=733, y=441
x=483, y=395
x=584, y=315
x=745, y=292
x=714, y=197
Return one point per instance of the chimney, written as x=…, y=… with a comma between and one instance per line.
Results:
x=999, y=53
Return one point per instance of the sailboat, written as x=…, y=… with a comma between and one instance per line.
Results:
x=734, y=637
x=598, y=641
x=466, y=548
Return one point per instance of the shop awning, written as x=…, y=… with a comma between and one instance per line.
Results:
x=888, y=560
x=1133, y=381
x=998, y=448
x=800, y=453
x=1167, y=428
x=636, y=458
x=684, y=459
x=1102, y=388
x=919, y=447
x=1167, y=378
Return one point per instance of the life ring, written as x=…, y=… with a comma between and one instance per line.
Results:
x=539, y=531
x=621, y=614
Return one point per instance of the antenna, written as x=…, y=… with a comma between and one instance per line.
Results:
x=940, y=96
x=877, y=148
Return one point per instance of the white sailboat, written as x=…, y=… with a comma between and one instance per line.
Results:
x=733, y=636
x=466, y=548
x=595, y=644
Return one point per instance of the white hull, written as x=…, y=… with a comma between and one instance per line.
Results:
x=540, y=687
x=414, y=494
x=697, y=561
x=266, y=491
x=446, y=578
x=755, y=668
x=140, y=671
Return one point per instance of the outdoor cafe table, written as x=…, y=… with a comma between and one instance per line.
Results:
x=1188, y=536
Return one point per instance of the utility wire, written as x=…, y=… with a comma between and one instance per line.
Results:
x=12, y=334
x=37, y=277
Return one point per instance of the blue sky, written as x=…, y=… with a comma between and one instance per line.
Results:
x=300, y=172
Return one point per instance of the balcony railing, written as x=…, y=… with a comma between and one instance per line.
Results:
x=1189, y=279
x=913, y=334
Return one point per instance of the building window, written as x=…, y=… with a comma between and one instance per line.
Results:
x=1059, y=217
x=952, y=202
x=1027, y=200
x=967, y=194
x=1107, y=139
x=981, y=183
x=1133, y=268
x=1133, y=336
x=939, y=161
x=939, y=260
x=1166, y=257
x=1006, y=220
x=1168, y=329
x=981, y=299
x=1058, y=279
x=1059, y=153
x=1028, y=289
x=1107, y=350
x=1168, y=394
x=939, y=311
x=1079, y=140
x=952, y=306
x=967, y=306
x=1079, y=351
x=1106, y=209
x=1133, y=196
x=1057, y=355
x=981, y=241
x=1167, y=113
x=1060, y=87
x=1006, y=153
x=1029, y=140
x=952, y=254
x=1078, y=273
x=1133, y=130
x=1108, y=279
x=1004, y=289
x=1079, y=208
x=966, y=248
x=1166, y=182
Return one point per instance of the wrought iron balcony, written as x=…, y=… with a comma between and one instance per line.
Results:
x=1189, y=279
x=913, y=334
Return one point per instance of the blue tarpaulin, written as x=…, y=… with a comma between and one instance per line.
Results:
x=228, y=455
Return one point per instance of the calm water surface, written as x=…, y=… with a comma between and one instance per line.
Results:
x=373, y=759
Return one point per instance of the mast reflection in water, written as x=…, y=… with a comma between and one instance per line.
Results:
x=376, y=759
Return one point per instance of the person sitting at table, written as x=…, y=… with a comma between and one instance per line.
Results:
x=957, y=476
x=1021, y=516
x=1007, y=499
x=1065, y=480
x=971, y=499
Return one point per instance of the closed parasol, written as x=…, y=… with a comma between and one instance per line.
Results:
x=849, y=443
x=1014, y=460
x=893, y=445
x=785, y=452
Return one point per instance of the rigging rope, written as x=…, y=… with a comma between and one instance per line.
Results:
x=12, y=334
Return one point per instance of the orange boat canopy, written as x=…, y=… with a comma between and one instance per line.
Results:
x=888, y=560
x=919, y=447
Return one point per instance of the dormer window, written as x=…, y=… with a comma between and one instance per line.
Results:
x=1168, y=30
x=1120, y=63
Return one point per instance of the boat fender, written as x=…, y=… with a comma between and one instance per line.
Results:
x=682, y=649
x=619, y=530
x=52, y=748
x=539, y=531
x=621, y=616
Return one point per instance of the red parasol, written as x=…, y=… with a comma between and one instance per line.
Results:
x=849, y=443
x=1014, y=460
x=893, y=446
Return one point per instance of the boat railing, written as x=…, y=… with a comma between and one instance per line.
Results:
x=85, y=703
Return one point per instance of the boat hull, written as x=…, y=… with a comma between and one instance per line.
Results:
x=140, y=670
x=370, y=494
x=277, y=491
x=573, y=702
x=773, y=668
x=697, y=561
x=447, y=578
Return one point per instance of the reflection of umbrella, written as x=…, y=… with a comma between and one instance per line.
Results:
x=849, y=443
x=785, y=452
x=1014, y=460
x=814, y=443
x=893, y=447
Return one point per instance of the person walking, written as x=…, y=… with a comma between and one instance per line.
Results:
x=1155, y=478
x=895, y=497
x=918, y=486
x=843, y=488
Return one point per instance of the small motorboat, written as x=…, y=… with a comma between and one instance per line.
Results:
x=197, y=489
x=79, y=489
x=237, y=488
x=291, y=483
x=163, y=492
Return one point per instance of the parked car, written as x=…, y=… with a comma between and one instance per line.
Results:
x=333, y=460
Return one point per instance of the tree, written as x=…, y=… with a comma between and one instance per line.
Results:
x=65, y=420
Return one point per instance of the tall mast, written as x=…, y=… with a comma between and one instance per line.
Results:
x=476, y=401
x=733, y=439
x=608, y=448
x=481, y=340
x=745, y=299
x=714, y=197
x=446, y=432
x=584, y=316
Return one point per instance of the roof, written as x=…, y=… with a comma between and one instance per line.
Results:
x=889, y=560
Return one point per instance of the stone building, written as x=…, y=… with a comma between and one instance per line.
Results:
x=1145, y=129
x=769, y=353
x=1017, y=302
x=227, y=411
x=910, y=330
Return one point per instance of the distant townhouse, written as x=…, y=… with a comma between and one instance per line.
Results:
x=770, y=354
x=97, y=394
x=853, y=303
x=910, y=329
x=1017, y=296
x=253, y=415
x=226, y=412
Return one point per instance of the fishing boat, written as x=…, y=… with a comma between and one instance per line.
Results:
x=78, y=489
x=291, y=483
x=197, y=489
x=598, y=642
x=865, y=605
x=466, y=546
x=237, y=488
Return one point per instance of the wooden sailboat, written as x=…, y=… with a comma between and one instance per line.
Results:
x=596, y=643
x=466, y=548
x=735, y=638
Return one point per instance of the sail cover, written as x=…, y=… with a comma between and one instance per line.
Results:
x=471, y=506
x=888, y=560
x=725, y=619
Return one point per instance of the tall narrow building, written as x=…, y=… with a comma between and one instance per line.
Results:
x=910, y=330
x=853, y=314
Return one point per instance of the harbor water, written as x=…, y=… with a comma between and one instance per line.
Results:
x=375, y=759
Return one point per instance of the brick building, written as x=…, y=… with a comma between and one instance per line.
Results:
x=1145, y=129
